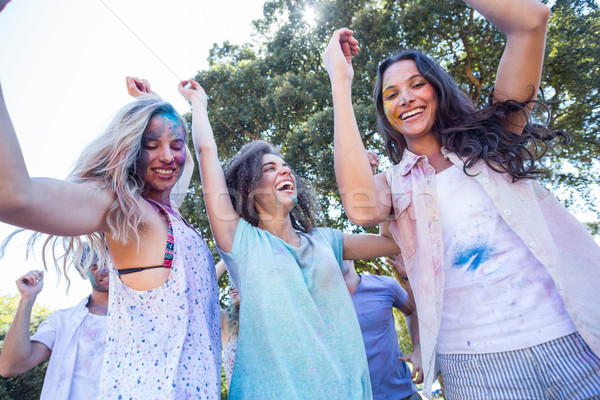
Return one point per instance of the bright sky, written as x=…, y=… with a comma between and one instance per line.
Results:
x=62, y=68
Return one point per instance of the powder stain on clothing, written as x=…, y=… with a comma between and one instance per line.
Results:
x=471, y=257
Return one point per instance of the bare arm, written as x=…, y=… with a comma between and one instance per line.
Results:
x=367, y=246
x=19, y=354
x=179, y=191
x=524, y=23
x=220, y=268
x=221, y=214
x=43, y=204
x=366, y=200
x=409, y=309
x=414, y=357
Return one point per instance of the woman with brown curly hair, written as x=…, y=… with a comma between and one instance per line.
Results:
x=299, y=337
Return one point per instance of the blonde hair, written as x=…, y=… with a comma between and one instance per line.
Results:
x=111, y=160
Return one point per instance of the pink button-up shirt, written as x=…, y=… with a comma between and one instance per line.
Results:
x=553, y=235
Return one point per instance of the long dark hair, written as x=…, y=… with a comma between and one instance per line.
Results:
x=472, y=134
x=242, y=174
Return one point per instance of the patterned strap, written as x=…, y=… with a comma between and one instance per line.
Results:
x=170, y=248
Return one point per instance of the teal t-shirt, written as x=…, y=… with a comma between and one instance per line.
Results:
x=299, y=336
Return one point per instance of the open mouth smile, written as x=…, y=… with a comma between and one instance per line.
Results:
x=411, y=113
x=163, y=172
x=285, y=186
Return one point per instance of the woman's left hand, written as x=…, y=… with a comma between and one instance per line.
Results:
x=191, y=89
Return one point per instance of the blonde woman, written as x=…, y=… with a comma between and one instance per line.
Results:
x=163, y=327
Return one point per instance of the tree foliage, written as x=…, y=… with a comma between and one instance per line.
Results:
x=275, y=87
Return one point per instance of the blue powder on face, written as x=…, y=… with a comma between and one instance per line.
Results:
x=295, y=200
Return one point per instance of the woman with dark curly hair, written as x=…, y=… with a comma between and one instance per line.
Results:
x=503, y=275
x=299, y=337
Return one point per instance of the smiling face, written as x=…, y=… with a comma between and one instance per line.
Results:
x=409, y=101
x=276, y=189
x=235, y=295
x=163, y=156
x=98, y=277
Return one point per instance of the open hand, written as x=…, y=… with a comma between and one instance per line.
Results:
x=31, y=284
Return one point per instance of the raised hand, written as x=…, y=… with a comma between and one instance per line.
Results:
x=337, y=56
x=190, y=89
x=137, y=87
x=31, y=284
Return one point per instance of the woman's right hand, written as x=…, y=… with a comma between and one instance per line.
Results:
x=337, y=56
x=137, y=87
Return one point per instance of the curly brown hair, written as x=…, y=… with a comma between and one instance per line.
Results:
x=242, y=174
x=472, y=134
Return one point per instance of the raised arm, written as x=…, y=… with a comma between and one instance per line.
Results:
x=524, y=23
x=221, y=214
x=19, y=354
x=412, y=320
x=43, y=204
x=366, y=199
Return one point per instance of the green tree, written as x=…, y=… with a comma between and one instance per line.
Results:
x=276, y=89
x=572, y=82
x=29, y=384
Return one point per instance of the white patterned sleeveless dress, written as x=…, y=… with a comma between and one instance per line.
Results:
x=229, y=358
x=164, y=343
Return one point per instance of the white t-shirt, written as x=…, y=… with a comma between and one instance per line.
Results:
x=497, y=295
x=90, y=354
x=61, y=333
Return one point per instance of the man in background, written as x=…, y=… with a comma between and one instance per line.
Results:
x=73, y=338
